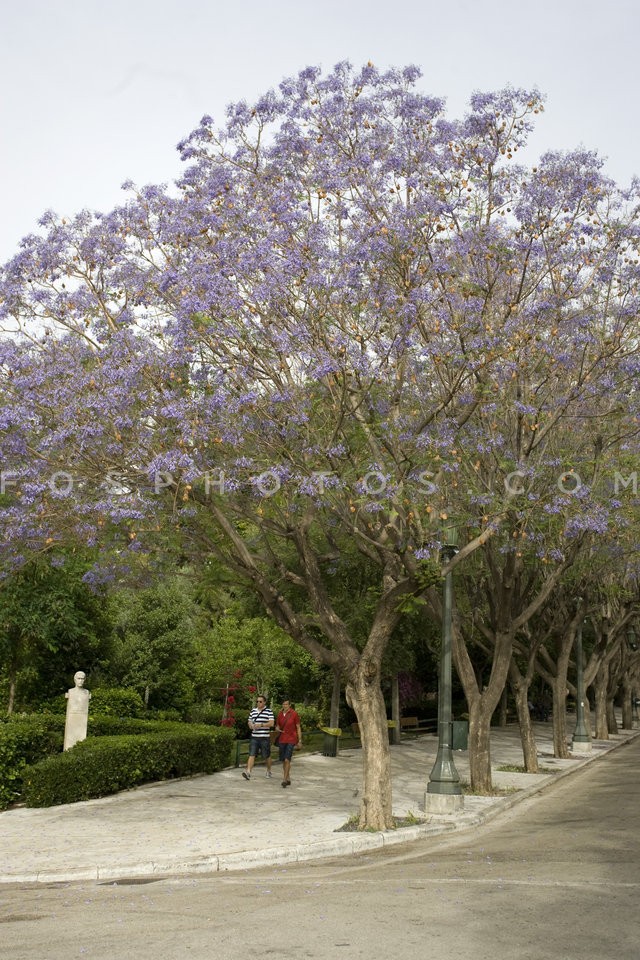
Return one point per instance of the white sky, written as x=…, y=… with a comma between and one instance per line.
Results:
x=94, y=92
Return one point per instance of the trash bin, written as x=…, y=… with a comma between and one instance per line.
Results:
x=330, y=743
x=460, y=736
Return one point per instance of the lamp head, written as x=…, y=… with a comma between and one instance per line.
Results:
x=449, y=539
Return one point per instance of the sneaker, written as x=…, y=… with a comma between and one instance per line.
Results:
x=246, y=775
x=286, y=783
x=269, y=773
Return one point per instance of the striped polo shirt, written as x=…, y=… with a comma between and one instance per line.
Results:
x=261, y=716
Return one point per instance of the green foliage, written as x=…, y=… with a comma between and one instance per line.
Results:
x=27, y=738
x=241, y=722
x=253, y=654
x=22, y=744
x=103, y=766
x=99, y=725
x=212, y=713
x=175, y=716
x=44, y=718
x=51, y=624
x=107, y=726
x=156, y=635
x=116, y=702
x=209, y=713
x=309, y=717
x=112, y=701
x=53, y=705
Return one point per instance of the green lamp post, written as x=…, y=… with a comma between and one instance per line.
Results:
x=632, y=640
x=581, y=742
x=444, y=794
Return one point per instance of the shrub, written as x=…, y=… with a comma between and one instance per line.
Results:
x=170, y=714
x=109, y=726
x=100, y=766
x=57, y=705
x=242, y=722
x=28, y=738
x=23, y=743
x=209, y=713
x=99, y=725
x=42, y=720
x=309, y=717
x=116, y=702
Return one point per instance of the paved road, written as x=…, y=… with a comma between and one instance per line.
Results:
x=555, y=878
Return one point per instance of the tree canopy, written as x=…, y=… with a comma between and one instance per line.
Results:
x=353, y=321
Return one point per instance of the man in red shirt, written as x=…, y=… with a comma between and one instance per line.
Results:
x=289, y=737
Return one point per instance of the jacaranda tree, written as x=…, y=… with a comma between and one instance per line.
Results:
x=344, y=326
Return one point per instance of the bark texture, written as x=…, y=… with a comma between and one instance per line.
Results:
x=365, y=697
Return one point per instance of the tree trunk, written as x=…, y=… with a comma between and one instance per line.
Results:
x=395, y=708
x=480, y=747
x=612, y=723
x=527, y=736
x=627, y=711
x=600, y=688
x=12, y=694
x=504, y=705
x=365, y=697
x=482, y=704
x=559, y=691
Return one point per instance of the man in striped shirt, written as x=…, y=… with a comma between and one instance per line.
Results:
x=261, y=723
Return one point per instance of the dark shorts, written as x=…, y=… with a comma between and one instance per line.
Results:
x=260, y=746
x=286, y=750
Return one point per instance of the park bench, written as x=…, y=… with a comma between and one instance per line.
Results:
x=409, y=723
x=406, y=723
x=418, y=726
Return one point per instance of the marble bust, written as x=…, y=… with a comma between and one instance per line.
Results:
x=75, y=727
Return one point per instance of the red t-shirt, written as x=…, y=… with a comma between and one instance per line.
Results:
x=288, y=723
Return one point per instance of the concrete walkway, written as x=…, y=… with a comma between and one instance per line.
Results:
x=223, y=822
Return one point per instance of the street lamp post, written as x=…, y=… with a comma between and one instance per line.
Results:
x=444, y=794
x=633, y=646
x=581, y=742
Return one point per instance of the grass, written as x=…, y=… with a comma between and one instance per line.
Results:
x=409, y=820
x=313, y=742
x=515, y=768
x=494, y=792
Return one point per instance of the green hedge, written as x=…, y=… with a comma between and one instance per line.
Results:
x=28, y=738
x=105, y=726
x=22, y=744
x=115, y=701
x=99, y=725
x=98, y=767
